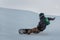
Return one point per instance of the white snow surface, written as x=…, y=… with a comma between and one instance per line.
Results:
x=12, y=20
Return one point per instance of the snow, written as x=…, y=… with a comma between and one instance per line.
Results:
x=12, y=20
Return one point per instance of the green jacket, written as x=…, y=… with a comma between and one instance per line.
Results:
x=47, y=22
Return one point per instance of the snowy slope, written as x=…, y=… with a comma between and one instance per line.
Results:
x=12, y=20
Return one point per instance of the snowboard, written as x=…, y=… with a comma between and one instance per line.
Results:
x=23, y=31
x=28, y=31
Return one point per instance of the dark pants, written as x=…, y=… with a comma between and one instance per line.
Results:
x=41, y=27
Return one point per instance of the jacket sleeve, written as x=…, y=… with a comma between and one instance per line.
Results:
x=51, y=18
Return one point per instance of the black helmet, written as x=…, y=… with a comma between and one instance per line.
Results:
x=41, y=14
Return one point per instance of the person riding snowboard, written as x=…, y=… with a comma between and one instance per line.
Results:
x=44, y=21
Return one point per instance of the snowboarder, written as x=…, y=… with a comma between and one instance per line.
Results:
x=44, y=21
